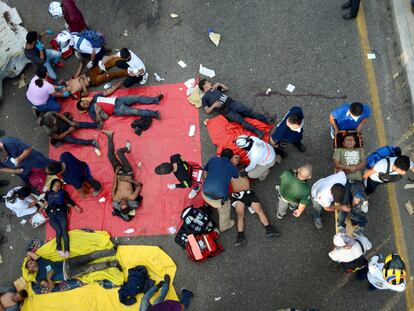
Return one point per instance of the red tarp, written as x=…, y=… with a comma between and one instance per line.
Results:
x=223, y=133
x=161, y=207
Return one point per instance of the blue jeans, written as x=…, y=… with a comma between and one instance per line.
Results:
x=145, y=301
x=122, y=106
x=316, y=210
x=52, y=57
x=79, y=141
x=58, y=220
x=50, y=105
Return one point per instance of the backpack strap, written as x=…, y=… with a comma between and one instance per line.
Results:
x=362, y=247
x=388, y=165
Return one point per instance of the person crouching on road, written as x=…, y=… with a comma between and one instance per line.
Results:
x=349, y=253
x=218, y=173
x=390, y=274
x=243, y=197
x=261, y=155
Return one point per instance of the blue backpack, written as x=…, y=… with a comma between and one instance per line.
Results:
x=94, y=37
x=382, y=153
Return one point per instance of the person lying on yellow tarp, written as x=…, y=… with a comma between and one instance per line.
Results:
x=48, y=272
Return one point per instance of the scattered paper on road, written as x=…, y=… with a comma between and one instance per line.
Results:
x=101, y=200
x=172, y=230
x=189, y=83
x=129, y=231
x=409, y=186
x=290, y=88
x=182, y=64
x=207, y=72
x=173, y=15
x=23, y=221
x=217, y=298
x=371, y=56
x=268, y=91
x=251, y=210
x=157, y=77
x=409, y=207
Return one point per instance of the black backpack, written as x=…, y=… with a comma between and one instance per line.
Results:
x=195, y=221
x=387, y=176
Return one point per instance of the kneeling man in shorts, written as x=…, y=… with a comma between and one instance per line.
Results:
x=243, y=197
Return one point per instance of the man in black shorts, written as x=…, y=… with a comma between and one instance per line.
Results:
x=233, y=110
x=243, y=197
x=182, y=171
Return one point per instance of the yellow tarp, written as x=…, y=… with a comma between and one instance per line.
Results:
x=93, y=297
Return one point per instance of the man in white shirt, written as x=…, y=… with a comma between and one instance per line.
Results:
x=261, y=155
x=349, y=253
x=134, y=66
x=328, y=193
x=387, y=170
x=88, y=54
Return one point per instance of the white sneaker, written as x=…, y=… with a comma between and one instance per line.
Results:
x=144, y=79
x=101, y=66
x=192, y=194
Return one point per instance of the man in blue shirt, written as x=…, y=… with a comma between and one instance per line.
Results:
x=218, y=173
x=74, y=172
x=289, y=131
x=349, y=117
x=17, y=157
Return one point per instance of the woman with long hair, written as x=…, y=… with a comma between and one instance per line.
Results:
x=57, y=208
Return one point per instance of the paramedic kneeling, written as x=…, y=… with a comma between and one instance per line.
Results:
x=218, y=173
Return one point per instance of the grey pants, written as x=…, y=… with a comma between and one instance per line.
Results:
x=283, y=206
x=317, y=209
x=80, y=265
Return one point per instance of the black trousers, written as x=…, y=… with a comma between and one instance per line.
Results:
x=371, y=186
x=128, y=81
x=126, y=168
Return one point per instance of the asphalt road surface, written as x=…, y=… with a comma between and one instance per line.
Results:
x=265, y=44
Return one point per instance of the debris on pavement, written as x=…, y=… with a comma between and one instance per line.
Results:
x=173, y=15
x=371, y=56
x=409, y=207
x=207, y=72
x=101, y=200
x=125, y=33
x=23, y=221
x=107, y=85
x=268, y=91
x=172, y=230
x=182, y=64
x=8, y=228
x=214, y=37
x=290, y=88
x=217, y=298
x=191, y=131
x=408, y=186
x=157, y=77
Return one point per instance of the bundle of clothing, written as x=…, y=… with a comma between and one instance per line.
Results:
x=141, y=124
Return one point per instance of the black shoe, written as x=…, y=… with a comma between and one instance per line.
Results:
x=348, y=16
x=271, y=232
x=167, y=279
x=161, y=96
x=4, y=183
x=282, y=153
x=2, y=133
x=346, y=5
x=157, y=115
x=240, y=239
x=301, y=147
x=185, y=290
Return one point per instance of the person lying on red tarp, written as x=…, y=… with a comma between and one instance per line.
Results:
x=125, y=189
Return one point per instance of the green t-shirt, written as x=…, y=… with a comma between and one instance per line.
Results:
x=294, y=190
x=350, y=157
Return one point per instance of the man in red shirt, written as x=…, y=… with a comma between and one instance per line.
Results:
x=73, y=16
x=100, y=107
